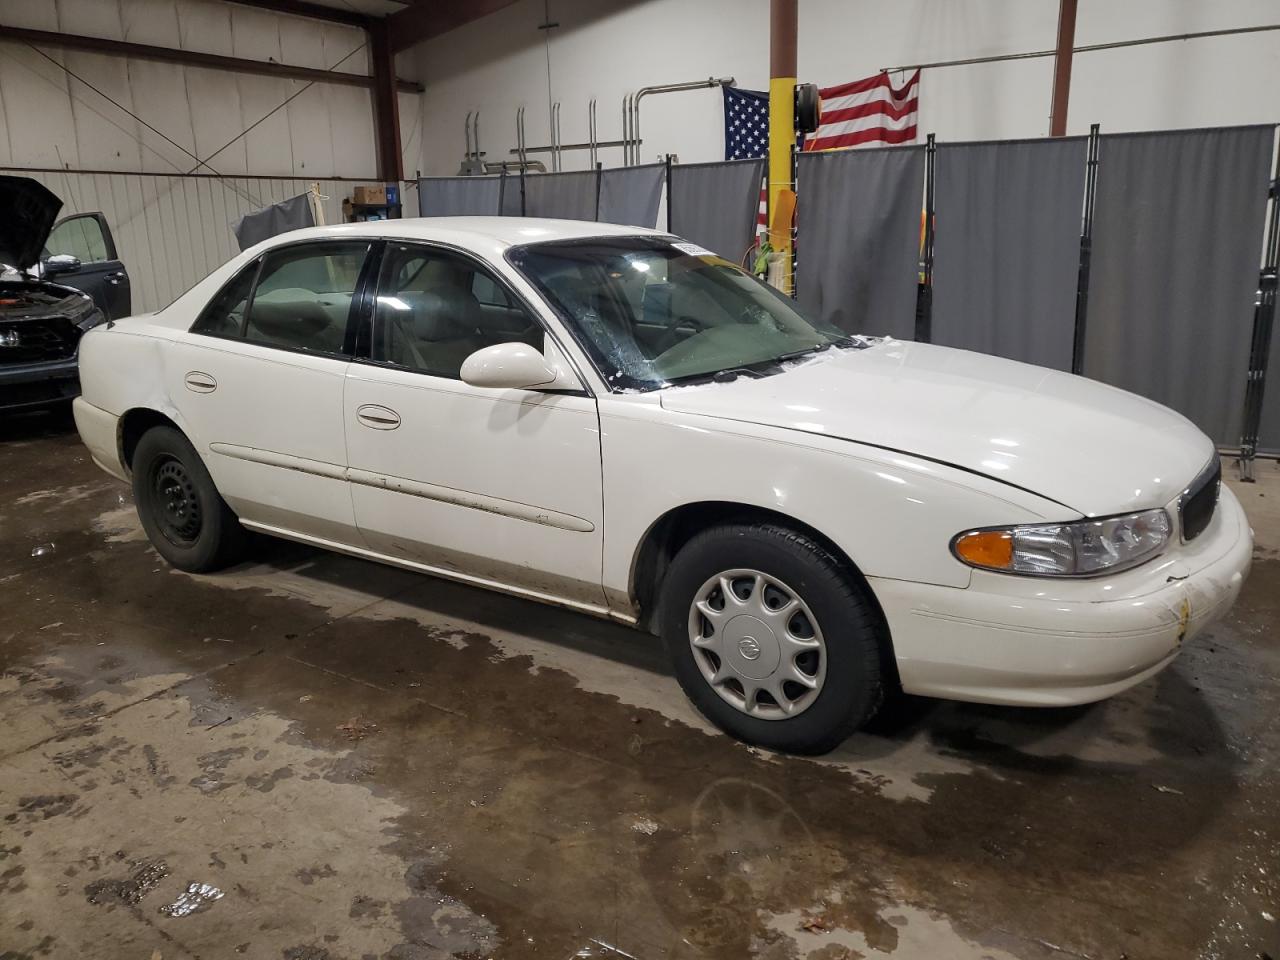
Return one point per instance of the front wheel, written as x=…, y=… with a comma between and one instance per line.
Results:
x=185, y=517
x=771, y=637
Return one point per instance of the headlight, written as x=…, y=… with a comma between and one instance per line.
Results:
x=1079, y=549
x=86, y=316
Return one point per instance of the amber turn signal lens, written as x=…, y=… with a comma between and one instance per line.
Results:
x=987, y=548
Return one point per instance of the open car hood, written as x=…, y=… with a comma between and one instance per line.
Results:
x=29, y=214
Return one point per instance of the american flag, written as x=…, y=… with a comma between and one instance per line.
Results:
x=746, y=124
x=746, y=136
x=867, y=111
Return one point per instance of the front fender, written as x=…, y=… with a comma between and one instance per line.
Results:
x=892, y=514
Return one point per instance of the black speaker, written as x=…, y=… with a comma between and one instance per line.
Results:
x=808, y=105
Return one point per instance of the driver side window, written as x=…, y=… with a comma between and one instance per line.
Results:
x=434, y=309
x=82, y=237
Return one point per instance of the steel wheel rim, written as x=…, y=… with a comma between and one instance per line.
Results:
x=757, y=644
x=176, y=503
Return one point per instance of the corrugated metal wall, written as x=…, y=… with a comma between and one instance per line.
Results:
x=171, y=232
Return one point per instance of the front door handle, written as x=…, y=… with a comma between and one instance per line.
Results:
x=377, y=417
x=198, y=382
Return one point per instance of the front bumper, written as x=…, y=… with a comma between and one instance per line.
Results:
x=1036, y=642
x=38, y=384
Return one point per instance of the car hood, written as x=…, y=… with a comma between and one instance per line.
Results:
x=38, y=300
x=30, y=212
x=1088, y=446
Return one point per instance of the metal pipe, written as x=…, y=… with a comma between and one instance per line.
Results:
x=600, y=144
x=626, y=129
x=1087, y=48
x=475, y=137
x=466, y=132
x=591, y=129
x=520, y=136
x=555, y=136
x=667, y=88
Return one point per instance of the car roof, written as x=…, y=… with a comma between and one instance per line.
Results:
x=472, y=231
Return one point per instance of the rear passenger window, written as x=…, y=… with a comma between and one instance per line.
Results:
x=224, y=315
x=435, y=309
x=303, y=296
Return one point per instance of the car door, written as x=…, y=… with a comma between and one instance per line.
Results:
x=87, y=237
x=258, y=381
x=500, y=486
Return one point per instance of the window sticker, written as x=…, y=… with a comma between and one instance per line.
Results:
x=693, y=250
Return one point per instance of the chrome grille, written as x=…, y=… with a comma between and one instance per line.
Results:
x=37, y=341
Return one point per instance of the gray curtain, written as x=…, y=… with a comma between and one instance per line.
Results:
x=512, y=201
x=1177, y=240
x=1006, y=255
x=631, y=195
x=566, y=196
x=458, y=196
x=292, y=214
x=858, y=237
x=1269, y=429
x=715, y=204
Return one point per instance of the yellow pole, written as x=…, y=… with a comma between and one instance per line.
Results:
x=783, y=25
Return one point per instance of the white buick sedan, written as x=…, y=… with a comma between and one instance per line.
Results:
x=619, y=422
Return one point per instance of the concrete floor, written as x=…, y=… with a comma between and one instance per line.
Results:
x=369, y=763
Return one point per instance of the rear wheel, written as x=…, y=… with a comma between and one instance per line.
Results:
x=771, y=638
x=185, y=517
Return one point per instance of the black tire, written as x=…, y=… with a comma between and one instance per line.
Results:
x=854, y=683
x=185, y=517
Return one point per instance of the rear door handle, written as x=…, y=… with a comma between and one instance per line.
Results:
x=198, y=382
x=377, y=417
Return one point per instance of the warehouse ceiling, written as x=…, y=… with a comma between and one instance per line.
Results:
x=371, y=8
x=406, y=21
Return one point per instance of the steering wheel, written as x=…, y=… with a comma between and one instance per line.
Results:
x=671, y=336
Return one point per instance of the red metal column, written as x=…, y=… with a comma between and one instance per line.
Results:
x=1062, y=68
x=386, y=106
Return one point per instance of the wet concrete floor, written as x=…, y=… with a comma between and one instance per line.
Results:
x=315, y=758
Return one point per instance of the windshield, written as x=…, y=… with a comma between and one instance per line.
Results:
x=653, y=311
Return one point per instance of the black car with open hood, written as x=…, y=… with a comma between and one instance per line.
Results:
x=41, y=321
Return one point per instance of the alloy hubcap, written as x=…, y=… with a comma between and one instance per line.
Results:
x=177, y=505
x=757, y=644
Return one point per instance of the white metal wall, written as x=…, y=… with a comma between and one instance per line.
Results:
x=48, y=118
x=171, y=232
x=603, y=48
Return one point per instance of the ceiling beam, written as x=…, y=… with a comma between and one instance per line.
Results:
x=1062, y=68
x=192, y=58
x=424, y=20
x=386, y=105
x=316, y=11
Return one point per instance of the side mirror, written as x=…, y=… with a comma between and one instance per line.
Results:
x=61, y=263
x=510, y=366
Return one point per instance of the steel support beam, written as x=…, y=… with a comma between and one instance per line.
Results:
x=423, y=20
x=315, y=11
x=1062, y=68
x=386, y=104
x=191, y=58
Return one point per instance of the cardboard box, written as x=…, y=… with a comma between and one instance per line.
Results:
x=375, y=195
